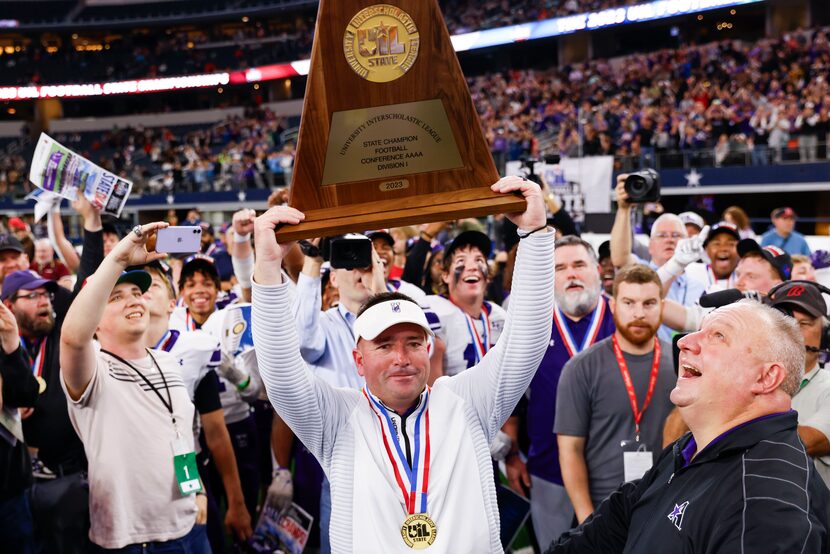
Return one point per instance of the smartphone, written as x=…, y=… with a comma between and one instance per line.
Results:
x=179, y=240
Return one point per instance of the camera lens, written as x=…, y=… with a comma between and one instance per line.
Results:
x=637, y=186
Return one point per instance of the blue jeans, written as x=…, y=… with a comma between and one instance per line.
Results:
x=195, y=542
x=16, y=525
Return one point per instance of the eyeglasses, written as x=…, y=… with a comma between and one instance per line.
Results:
x=664, y=236
x=35, y=296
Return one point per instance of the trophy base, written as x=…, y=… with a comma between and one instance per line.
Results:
x=428, y=208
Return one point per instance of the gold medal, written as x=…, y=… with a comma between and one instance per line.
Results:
x=41, y=384
x=381, y=43
x=419, y=531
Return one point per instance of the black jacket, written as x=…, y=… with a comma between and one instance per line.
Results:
x=19, y=391
x=755, y=490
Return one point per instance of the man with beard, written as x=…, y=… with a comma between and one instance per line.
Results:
x=613, y=398
x=581, y=318
x=470, y=326
x=741, y=481
x=59, y=497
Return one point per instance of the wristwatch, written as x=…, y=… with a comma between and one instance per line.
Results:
x=524, y=234
x=309, y=249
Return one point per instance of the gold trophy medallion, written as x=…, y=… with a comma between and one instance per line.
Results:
x=419, y=531
x=381, y=43
x=41, y=384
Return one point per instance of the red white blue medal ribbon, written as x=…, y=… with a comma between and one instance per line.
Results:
x=481, y=344
x=713, y=280
x=590, y=335
x=413, y=481
x=37, y=363
x=189, y=322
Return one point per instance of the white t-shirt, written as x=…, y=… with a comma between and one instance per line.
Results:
x=127, y=433
x=813, y=406
x=455, y=331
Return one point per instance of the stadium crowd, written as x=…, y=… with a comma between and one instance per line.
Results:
x=721, y=103
x=246, y=151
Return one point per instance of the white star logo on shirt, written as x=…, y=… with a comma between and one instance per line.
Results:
x=242, y=196
x=693, y=178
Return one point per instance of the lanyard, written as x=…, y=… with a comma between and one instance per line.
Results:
x=481, y=345
x=40, y=359
x=713, y=280
x=590, y=336
x=629, y=385
x=418, y=472
x=169, y=402
x=189, y=322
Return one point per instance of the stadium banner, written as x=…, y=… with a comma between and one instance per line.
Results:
x=583, y=185
x=58, y=170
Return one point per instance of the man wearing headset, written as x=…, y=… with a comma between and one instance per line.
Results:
x=804, y=302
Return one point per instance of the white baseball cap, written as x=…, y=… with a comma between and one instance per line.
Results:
x=692, y=218
x=384, y=315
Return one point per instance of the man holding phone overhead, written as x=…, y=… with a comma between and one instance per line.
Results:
x=125, y=396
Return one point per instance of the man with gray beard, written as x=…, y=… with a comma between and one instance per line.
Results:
x=613, y=398
x=581, y=317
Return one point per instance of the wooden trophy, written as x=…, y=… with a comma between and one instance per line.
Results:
x=389, y=135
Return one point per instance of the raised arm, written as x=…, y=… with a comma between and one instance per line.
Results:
x=93, y=249
x=306, y=311
x=313, y=409
x=242, y=254
x=621, y=235
x=494, y=386
x=18, y=384
x=61, y=244
x=77, y=354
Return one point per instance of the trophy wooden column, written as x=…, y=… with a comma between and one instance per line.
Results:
x=389, y=135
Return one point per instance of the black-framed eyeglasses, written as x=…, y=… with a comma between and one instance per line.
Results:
x=35, y=296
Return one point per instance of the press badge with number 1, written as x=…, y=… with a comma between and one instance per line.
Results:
x=184, y=462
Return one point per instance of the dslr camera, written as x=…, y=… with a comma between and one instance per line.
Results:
x=643, y=186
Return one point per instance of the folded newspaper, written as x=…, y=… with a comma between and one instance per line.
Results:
x=59, y=170
x=281, y=531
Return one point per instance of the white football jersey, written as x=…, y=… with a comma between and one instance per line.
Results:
x=467, y=339
x=196, y=353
